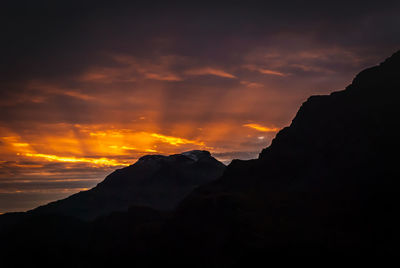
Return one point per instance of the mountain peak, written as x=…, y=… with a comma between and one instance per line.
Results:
x=381, y=77
x=394, y=58
x=152, y=157
x=194, y=155
x=155, y=181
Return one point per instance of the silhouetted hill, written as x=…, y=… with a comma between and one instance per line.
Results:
x=327, y=185
x=156, y=181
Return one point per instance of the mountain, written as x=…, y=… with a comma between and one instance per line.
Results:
x=327, y=185
x=155, y=181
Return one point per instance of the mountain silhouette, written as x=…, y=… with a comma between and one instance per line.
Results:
x=328, y=185
x=156, y=181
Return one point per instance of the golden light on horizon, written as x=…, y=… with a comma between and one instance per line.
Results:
x=97, y=161
x=113, y=146
x=94, y=145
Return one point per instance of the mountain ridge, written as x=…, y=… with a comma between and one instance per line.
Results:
x=156, y=181
x=320, y=188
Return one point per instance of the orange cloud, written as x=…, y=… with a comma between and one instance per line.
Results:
x=95, y=145
x=251, y=84
x=272, y=72
x=210, y=71
x=261, y=128
x=263, y=70
x=96, y=161
x=163, y=77
x=175, y=140
x=20, y=144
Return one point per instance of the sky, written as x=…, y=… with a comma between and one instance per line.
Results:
x=87, y=87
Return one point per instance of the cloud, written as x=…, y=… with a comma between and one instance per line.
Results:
x=251, y=84
x=130, y=69
x=263, y=70
x=210, y=71
x=271, y=72
x=95, y=161
x=95, y=146
x=163, y=77
x=261, y=128
x=175, y=140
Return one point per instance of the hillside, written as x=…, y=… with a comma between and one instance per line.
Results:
x=155, y=181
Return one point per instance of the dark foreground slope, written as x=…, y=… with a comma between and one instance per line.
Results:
x=327, y=185
x=155, y=181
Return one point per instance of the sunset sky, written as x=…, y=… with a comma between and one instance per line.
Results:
x=86, y=88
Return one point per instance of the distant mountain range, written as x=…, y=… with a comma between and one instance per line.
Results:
x=327, y=186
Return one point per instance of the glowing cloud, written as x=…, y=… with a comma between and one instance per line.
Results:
x=261, y=128
x=210, y=71
x=20, y=144
x=163, y=77
x=266, y=71
x=251, y=84
x=263, y=70
x=175, y=140
x=96, y=161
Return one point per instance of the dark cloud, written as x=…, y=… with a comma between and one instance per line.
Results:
x=64, y=38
